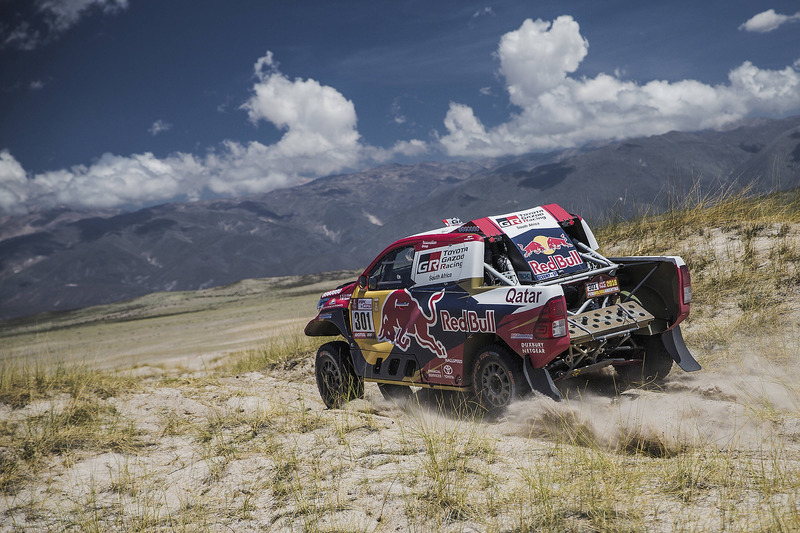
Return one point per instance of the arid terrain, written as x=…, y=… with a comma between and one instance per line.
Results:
x=199, y=412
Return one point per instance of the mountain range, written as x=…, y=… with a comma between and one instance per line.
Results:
x=63, y=259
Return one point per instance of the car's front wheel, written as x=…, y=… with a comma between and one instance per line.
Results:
x=336, y=379
x=496, y=378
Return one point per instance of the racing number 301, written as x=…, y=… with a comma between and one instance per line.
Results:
x=362, y=322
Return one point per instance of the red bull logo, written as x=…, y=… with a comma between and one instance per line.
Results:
x=545, y=245
x=402, y=318
x=469, y=322
x=556, y=263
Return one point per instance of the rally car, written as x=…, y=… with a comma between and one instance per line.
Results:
x=499, y=307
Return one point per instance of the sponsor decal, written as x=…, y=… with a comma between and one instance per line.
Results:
x=523, y=296
x=524, y=219
x=602, y=285
x=549, y=275
x=524, y=336
x=468, y=322
x=402, y=317
x=556, y=263
x=440, y=264
x=524, y=276
x=468, y=229
x=448, y=370
x=512, y=220
x=323, y=316
x=455, y=221
x=333, y=292
x=542, y=244
x=532, y=347
x=364, y=304
x=429, y=262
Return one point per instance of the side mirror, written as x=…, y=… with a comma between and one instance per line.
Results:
x=373, y=283
x=362, y=281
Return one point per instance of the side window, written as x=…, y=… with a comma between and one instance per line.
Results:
x=394, y=269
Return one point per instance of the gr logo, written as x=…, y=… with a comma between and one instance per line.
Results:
x=429, y=262
x=513, y=220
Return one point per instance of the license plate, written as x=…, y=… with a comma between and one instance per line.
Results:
x=602, y=285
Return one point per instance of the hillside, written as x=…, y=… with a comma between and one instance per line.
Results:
x=62, y=260
x=241, y=441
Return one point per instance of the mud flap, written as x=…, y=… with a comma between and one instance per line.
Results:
x=539, y=380
x=676, y=347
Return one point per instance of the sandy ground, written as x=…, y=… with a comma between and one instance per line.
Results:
x=259, y=452
x=709, y=451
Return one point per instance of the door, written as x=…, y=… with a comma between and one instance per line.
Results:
x=381, y=313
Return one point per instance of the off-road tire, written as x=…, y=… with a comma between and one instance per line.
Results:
x=394, y=392
x=336, y=379
x=656, y=362
x=497, y=378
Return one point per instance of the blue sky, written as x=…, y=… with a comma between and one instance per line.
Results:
x=108, y=103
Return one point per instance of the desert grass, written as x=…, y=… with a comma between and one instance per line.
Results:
x=247, y=445
x=58, y=412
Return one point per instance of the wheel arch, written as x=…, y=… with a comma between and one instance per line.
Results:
x=472, y=347
x=323, y=328
x=329, y=324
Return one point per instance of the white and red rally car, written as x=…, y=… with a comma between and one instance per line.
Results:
x=498, y=307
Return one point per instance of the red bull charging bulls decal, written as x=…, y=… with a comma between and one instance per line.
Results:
x=402, y=317
x=549, y=253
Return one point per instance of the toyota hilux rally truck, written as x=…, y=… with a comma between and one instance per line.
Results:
x=499, y=307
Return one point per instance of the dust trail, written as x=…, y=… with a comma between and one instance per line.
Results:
x=752, y=405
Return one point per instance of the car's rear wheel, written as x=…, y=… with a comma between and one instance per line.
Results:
x=496, y=378
x=336, y=379
x=394, y=392
x=656, y=362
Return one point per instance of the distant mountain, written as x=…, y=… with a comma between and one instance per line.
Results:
x=64, y=259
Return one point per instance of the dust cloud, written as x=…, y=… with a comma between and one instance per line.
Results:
x=751, y=404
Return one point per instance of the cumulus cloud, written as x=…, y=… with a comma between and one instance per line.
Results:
x=320, y=138
x=13, y=184
x=768, y=21
x=319, y=123
x=558, y=110
x=58, y=16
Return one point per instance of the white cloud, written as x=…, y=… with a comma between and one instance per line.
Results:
x=557, y=110
x=320, y=138
x=20, y=37
x=768, y=21
x=63, y=14
x=320, y=123
x=159, y=126
x=485, y=12
x=58, y=16
x=13, y=184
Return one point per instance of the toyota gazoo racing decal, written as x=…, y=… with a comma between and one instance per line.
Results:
x=549, y=253
x=514, y=224
x=446, y=264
